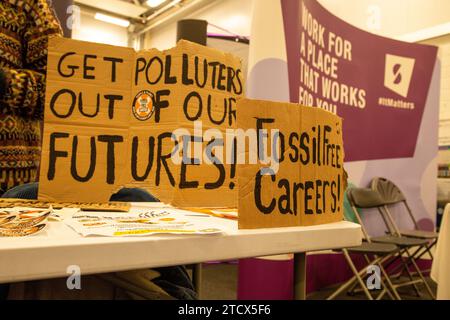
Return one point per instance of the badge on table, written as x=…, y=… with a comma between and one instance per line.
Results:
x=23, y=222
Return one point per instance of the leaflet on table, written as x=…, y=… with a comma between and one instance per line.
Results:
x=140, y=222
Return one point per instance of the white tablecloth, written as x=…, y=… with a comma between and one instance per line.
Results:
x=48, y=254
x=440, y=271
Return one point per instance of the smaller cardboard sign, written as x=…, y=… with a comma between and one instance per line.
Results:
x=292, y=175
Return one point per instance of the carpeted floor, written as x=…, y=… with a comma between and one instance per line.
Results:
x=406, y=293
x=220, y=283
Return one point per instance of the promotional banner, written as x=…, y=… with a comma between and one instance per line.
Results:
x=382, y=88
x=378, y=85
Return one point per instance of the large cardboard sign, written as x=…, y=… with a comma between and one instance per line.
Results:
x=157, y=120
x=298, y=178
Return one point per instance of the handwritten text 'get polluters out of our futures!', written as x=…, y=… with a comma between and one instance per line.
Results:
x=170, y=91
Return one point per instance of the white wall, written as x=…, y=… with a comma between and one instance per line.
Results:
x=396, y=17
x=444, y=114
x=90, y=29
x=390, y=18
x=232, y=15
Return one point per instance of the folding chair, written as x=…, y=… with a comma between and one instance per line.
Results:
x=363, y=198
x=380, y=252
x=392, y=195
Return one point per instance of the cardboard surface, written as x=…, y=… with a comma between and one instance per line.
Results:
x=106, y=206
x=110, y=114
x=307, y=185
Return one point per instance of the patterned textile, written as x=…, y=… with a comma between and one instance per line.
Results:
x=25, y=26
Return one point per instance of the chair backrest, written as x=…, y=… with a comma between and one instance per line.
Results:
x=387, y=190
x=391, y=194
x=364, y=198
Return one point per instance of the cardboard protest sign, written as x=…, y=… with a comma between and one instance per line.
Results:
x=298, y=178
x=116, y=118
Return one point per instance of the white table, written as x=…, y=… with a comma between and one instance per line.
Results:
x=48, y=254
x=440, y=271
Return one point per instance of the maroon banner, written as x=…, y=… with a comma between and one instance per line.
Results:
x=379, y=86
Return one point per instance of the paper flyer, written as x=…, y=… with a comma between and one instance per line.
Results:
x=140, y=222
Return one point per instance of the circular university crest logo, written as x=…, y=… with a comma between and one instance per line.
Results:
x=143, y=107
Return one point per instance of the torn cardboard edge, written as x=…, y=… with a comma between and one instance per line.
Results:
x=106, y=206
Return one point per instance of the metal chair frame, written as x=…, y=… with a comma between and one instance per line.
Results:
x=404, y=262
x=391, y=194
x=399, y=197
x=357, y=279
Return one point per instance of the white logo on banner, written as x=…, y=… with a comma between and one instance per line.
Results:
x=398, y=73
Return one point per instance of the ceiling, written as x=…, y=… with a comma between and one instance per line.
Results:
x=142, y=17
x=132, y=9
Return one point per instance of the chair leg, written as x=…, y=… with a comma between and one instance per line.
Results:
x=402, y=266
x=408, y=272
x=422, y=251
x=427, y=250
x=342, y=288
x=358, y=277
x=405, y=265
x=352, y=289
x=390, y=284
x=386, y=288
x=349, y=282
x=425, y=283
x=390, y=289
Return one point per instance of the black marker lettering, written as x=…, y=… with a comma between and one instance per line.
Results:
x=113, y=66
x=54, y=154
x=87, y=68
x=73, y=162
x=55, y=98
x=110, y=158
x=72, y=68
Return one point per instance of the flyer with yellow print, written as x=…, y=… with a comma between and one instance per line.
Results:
x=140, y=222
